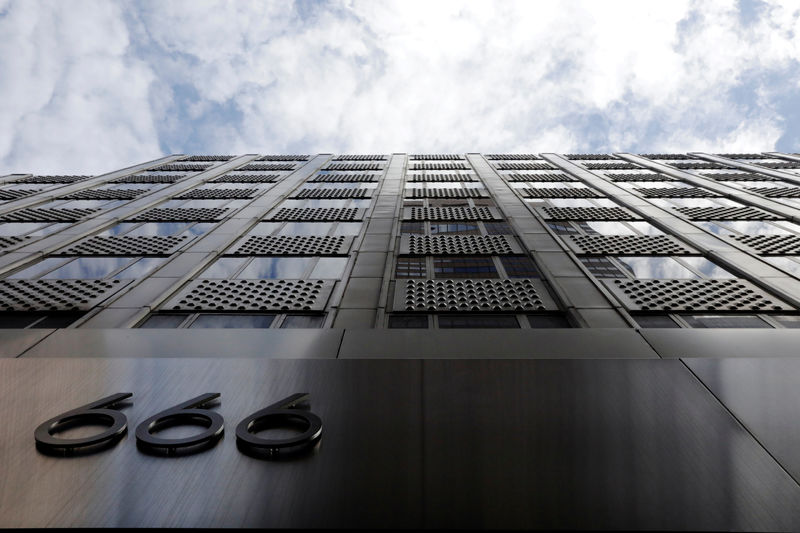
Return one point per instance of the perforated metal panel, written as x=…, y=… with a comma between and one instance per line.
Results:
x=5, y=242
x=621, y=165
x=294, y=157
x=124, y=245
x=439, y=177
x=339, y=178
x=639, y=177
x=692, y=295
x=151, y=178
x=56, y=295
x=318, y=214
x=246, y=178
x=524, y=166
x=180, y=167
x=771, y=244
x=700, y=165
x=268, y=166
x=559, y=192
x=51, y=179
x=776, y=192
x=777, y=164
x=439, y=166
x=435, y=157
x=201, y=214
x=207, y=158
x=485, y=295
x=446, y=193
x=665, y=156
x=353, y=166
x=725, y=213
x=511, y=157
x=218, y=194
x=587, y=213
x=588, y=157
x=458, y=245
x=447, y=214
x=252, y=295
x=627, y=244
x=104, y=194
x=331, y=193
x=675, y=192
x=360, y=157
x=744, y=156
x=539, y=177
x=12, y=194
x=47, y=215
x=739, y=176
x=292, y=245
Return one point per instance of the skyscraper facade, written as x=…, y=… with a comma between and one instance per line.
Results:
x=490, y=340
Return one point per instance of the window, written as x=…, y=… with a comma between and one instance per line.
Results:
x=276, y=268
x=455, y=228
x=639, y=267
x=408, y=321
x=724, y=321
x=655, y=321
x=478, y=321
x=39, y=320
x=464, y=267
x=410, y=267
x=498, y=228
x=209, y=320
x=417, y=228
x=548, y=321
x=518, y=266
x=90, y=268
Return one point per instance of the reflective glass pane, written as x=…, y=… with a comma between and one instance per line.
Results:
x=655, y=321
x=348, y=228
x=723, y=321
x=119, y=229
x=164, y=321
x=707, y=268
x=329, y=268
x=224, y=267
x=141, y=268
x=548, y=321
x=594, y=227
x=302, y=321
x=89, y=268
x=478, y=321
x=788, y=321
x=265, y=228
x=408, y=321
x=159, y=228
x=306, y=228
x=786, y=263
x=232, y=321
x=13, y=229
x=276, y=267
x=656, y=268
x=42, y=266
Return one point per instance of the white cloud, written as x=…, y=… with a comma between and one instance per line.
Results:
x=365, y=76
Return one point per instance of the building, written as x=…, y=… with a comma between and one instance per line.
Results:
x=491, y=340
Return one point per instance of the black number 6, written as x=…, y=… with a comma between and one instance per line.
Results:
x=186, y=413
x=91, y=413
x=279, y=414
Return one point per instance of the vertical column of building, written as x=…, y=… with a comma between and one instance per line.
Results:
x=361, y=305
x=582, y=297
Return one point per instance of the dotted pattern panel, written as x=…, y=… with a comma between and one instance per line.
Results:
x=51, y=179
x=446, y=193
x=675, y=192
x=559, y=192
x=469, y=295
x=771, y=244
x=318, y=214
x=588, y=157
x=539, y=177
x=268, y=166
x=439, y=166
x=639, y=177
x=181, y=167
x=611, y=166
x=104, y=194
x=218, y=194
x=744, y=156
x=55, y=295
x=693, y=295
x=627, y=244
x=6, y=242
x=441, y=177
x=252, y=295
x=587, y=213
x=524, y=166
x=295, y=157
x=448, y=214
x=776, y=164
x=340, y=178
x=11, y=194
x=152, y=178
x=725, y=213
x=776, y=192
x=292, y=245
x=202, y=214
x=121, y=245
x=246, y=178
x=360, y=157
x=202, y=158
x=47, y=215
x=458, y=245
x=350, y=192
x=665, y=156
x=435, y=157
x=739, y=176
x=700, y=166
x=511, y=157
x=353, y=166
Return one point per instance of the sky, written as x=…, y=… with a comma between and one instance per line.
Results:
x=87, y=87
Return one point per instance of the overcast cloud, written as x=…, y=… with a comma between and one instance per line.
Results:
x=88, y=87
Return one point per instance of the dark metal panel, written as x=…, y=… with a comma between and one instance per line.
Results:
x=764, y=394
x=15, y=341
x=592, y=445
x=364, y=472
x=723, y=342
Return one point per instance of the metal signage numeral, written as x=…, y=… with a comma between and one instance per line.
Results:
x=277, y=415
x=186, y=413
x=92, y=413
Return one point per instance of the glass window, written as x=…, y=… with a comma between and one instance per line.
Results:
x=788, y=321
x=455, y=228
x=232, y=321
x=656, y=268
x=329, y=268
x=562, y=228
x=39, y=320
x=518, y=266
x=34, y=229
x=348, y=228
x=417, y=228
x=548, y=321
x=707, y=268
x=725, y=321
x=655, y=321
x=464, y=267
x=498, y=228
x=408, y=321
x=89, y=268
x=276, y=267
x=265, y=228
x=786, y=263
x=306, y=228
x=38, y=268
x=141, y=268
x=602, y=267
x=303, y=321
x=478, y=321
x=410, y=267
x=163, y=321
x=224, y=267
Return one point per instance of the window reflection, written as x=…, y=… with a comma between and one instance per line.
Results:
x=232, y=321
x=329, y=268
x=306, y=228
x=707, y=268
x=223, y=267
x=348, y=228
x=276, y=267
x=656, y=268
